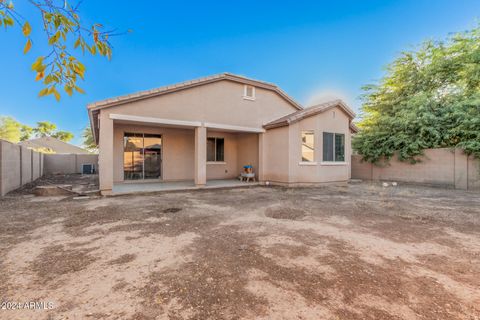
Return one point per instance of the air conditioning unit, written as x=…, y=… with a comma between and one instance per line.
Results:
x=88, y=169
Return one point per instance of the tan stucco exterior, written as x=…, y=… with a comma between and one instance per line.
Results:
x=185, y=118
x=283, y=163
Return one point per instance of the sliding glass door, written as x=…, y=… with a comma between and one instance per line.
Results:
x=142, y=156
x=152, y=152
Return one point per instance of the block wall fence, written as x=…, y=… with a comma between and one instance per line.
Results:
x=445, y=167
x=20, y=165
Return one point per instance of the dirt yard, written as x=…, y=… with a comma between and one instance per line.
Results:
x=354, y=252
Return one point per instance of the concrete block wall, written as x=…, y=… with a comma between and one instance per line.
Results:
x=68, y=163
x=473, y=174
x=442, y=167
x=59, y=163
x=25, y=167
x=18, y=166
x=10, y=169
x=36, y=165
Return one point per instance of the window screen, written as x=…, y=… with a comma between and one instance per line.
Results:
x=210, y=149
x=215, y=149
x=339, y=147
x=333, y=147
x=220, y=148
x=328, y=146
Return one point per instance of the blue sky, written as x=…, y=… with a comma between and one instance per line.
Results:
x=311, y=49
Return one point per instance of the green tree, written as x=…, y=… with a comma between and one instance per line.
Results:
x=14, y=131
x=25, y=132
x=10, y=129
x=45, y=129
x=63, y=32
x=88, y=141
x=48, y=129
x=63, y=135
x=429, y=98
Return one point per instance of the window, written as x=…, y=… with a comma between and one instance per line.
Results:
x=308, y=146
x=215, y=149
x=333, y=147
x=249, y=92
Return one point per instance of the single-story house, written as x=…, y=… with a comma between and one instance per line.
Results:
x=210, y=128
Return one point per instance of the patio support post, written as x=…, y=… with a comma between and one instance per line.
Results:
x=261, y=156
x=200, y=156
x=105, y=157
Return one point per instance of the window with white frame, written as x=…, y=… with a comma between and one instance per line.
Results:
x=249, y=92
x=308, y=146
x=215, y=149
x=333, y=147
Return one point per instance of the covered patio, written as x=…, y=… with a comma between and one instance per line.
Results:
x=152, y=154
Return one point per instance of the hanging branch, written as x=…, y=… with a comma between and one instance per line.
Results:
x=61, y=25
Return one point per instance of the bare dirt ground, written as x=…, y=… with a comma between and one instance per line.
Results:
x=80, y=183
x=351, y=252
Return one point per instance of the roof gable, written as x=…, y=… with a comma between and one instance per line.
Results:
x=308, y=112
x=189, y=84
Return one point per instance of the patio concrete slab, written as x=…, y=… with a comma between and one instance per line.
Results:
x=142, y=187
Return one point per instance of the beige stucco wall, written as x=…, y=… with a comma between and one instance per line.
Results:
x=441, y=167
x=276, y=154
x=178, y=147
x=247, y=151
x=219, y=102
x=283, y=150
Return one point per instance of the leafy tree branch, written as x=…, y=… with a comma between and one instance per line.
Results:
x=59, y=68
